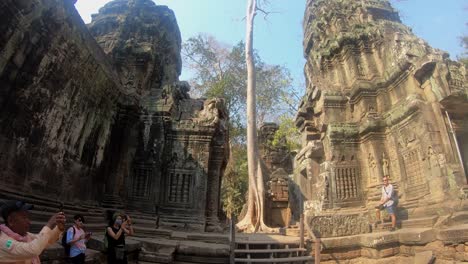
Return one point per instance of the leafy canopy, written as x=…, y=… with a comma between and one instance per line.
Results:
x=220, y=71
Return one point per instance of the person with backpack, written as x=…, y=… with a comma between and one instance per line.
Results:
x=119, y=226
x=76, y=239
x=17, y=244
x=387, y=202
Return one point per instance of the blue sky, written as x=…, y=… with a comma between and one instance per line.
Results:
x=279, y=38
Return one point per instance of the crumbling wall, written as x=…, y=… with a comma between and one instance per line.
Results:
x=58, y=99
x=379, y=102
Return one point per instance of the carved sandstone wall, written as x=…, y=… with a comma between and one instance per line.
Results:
x=379, y=102
x=107, y=114
x=277, y=166
x=58, y=98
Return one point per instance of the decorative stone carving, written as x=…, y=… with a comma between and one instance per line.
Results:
x=385, y=98
x=385, y=165
x=107, y=114
x=277, y=161
x=212, y=114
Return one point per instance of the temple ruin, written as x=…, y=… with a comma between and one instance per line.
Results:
x=277, y=163
x=379, y=102
x=94, y=117
x=97, y=115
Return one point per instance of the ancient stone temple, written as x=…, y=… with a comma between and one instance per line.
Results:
x=97, y=115
x=277, y=166
x=379, y=102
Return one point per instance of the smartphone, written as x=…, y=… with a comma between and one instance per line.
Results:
x=61, y=207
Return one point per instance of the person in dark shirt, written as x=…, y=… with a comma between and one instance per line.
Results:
x=115, y=233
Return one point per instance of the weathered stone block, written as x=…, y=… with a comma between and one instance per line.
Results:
x=387, y=252
x=370, y=253
x=460, y=248
x=419, y=237
x=448, y=253
x=379, y=240
x=436, y=247
x=460, y=256
x=423, y=257
x=457, y=234
x=406, y=250
x=339, y=224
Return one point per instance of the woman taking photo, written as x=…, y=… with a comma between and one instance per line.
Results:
x=116, y=231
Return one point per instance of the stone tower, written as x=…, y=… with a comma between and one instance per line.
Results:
x=379, y=102
x=95, y=114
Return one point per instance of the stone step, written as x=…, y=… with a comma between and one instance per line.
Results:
x=200, y=259
x=68, y=209
x=112, y=201
x=173, y=251
x=143, y=216
x=268, y=251
x=143, y=222
x=161, y=256
x=208, y=237
x=295, y=232
x=409, y=205
x=302, y=259
x=202, y=252
x=44, y=217
x=410, y=223
x=44, y=203
x=267, y=242
x=419, y=222
x=180, y=219
x=459, y=218
x=36, y=227
x=141, y=231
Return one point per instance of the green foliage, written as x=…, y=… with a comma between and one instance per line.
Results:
x=235, y=181
x=220, y=71
x=287, y=134
x=464, y=57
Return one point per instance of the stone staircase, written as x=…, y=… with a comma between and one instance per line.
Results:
x=185, y=248
x=181, y=222
x=112, y=201
x=270, y=249
x=423, y=222
x=44, y=208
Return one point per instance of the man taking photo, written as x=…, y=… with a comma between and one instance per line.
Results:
x=17, y=245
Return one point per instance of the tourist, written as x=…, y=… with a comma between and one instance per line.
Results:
x=119, y=226
x=77, y=238
x=17, y=245
x=387, y=202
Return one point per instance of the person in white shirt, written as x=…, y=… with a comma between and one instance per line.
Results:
x=387, y=202
x=77, y=238
x=17, y=245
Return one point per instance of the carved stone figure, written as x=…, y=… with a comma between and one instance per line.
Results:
x=277, y=161
x=412, y=85
x=212, y=113
x=385, y=165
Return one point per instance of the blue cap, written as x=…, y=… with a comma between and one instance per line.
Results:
x=11, y=206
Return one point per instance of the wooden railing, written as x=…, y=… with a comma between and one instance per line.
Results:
x=302, y=227
x=232, y=239
x=315, y=239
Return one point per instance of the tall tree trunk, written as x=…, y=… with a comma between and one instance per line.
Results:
x=254, y=219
